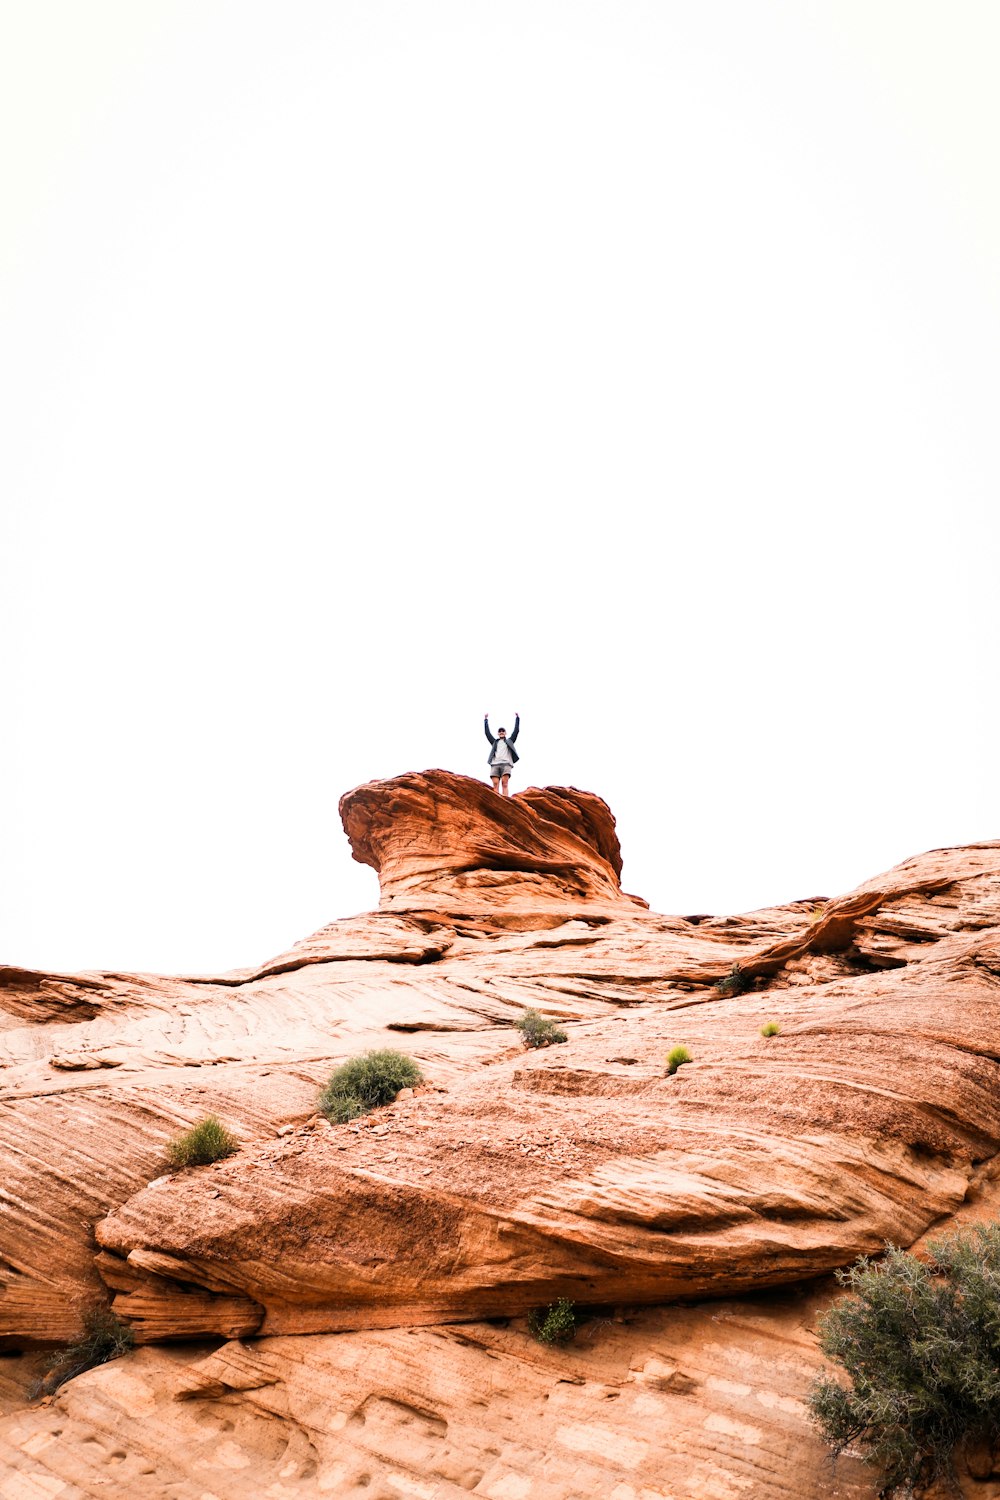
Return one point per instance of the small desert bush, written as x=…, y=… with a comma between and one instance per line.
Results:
x=104, y=1337
x=205, y=1142
x=676, y=1058
x=365, y=1083
x=770, y=1028
x=920, y=1346
x=736, y=982
x=555, y=1324
x=536, y=1031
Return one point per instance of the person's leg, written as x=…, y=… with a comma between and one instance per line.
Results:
x=505, y=781
x=496, y=783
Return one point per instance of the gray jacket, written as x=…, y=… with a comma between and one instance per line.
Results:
x=510, y=740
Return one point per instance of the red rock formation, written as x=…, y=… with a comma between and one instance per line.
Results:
x=665, y=1404
x=513, y=1177
x=570, y=1172
x=445, y=843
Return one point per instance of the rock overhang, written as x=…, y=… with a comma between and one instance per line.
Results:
x=442, y=841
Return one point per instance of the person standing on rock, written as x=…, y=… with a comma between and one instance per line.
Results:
x=503, y=756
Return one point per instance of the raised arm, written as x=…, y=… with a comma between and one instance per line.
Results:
x=517, y=728
x=486, y=726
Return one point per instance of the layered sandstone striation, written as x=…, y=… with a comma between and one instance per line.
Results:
x=444, y=843
x=699, y=1403
x=510, y=1178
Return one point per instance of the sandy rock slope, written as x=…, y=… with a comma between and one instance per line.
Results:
x=349, y=1269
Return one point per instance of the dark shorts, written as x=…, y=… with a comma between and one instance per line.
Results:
x=502, y=770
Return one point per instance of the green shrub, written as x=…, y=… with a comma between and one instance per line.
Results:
x=365, y=1083
x=555, y=1324
x=736, y=982
x=770, y=1028
x=207, y=1141
x=676, y=1058
x=104, y=1337
x=536, y=1031
x=920, y=1345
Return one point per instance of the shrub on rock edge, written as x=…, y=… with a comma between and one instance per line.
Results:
x=205, y=1142
x=555, y=1324
x=537, y=1031
x=367, y=1082
x=770, y=1028
x=676, y=1058
x=736, y=982
x=104, y=1337
x=920, y=1346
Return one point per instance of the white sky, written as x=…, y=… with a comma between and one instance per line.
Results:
x=366, y=365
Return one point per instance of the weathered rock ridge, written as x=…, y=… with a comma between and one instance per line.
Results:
x=446, y=843
x=512, y=1177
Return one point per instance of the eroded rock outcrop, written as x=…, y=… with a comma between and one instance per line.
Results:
x=510, y=1178
x=574, y=1172
x=444, y=843
x=698, y=1403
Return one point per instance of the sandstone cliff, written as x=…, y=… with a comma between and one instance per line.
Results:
x=510, y=1179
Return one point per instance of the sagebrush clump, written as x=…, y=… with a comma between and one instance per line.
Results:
x=104, y=1337
x=676, y=1058
x=920, y=1346
x=555, y=1324
x=536, y=1031
x=367, y=1082
x=736, y=982
x=205, y=1142
x=770, y=1028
